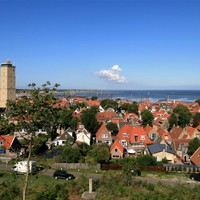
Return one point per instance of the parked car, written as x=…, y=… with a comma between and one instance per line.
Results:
x=136, y=172
x=195, y=176
x=62, y=174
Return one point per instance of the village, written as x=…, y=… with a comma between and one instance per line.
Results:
x=133, y=138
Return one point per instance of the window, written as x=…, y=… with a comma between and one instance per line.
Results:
x=116, y=150
x=142, y=137
x=166, y=137
x=136, y=138
x=153, y=136
x=104, y=136
x=1, y=143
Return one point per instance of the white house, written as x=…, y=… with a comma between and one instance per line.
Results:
x=82, y=135
x=61, y=139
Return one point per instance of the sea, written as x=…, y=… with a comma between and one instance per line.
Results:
x=138, y=95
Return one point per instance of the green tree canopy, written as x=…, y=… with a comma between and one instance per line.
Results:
x=37, y=112
x=147, y=118
x=73, y=123
x=196, y=119
x=130, y=108
x=184, y=116
x=146, y=160
x=198, y=101
x=6, y=127
x=112, y=127
x=65, y=116
x=193, y=146
x=89, y=120
x=109, y=103
x=94, y=98
x=99, y=153
x=173, y=121
x=71, y=154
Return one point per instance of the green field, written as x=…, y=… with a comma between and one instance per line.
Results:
x=117, y=187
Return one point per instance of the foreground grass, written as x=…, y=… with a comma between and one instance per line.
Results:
x=118, y=187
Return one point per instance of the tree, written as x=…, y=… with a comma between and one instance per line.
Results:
x=146, y=160
x=39, y=144
x=193, y=146
x=173, y=121
x=198, y=101
x=147, y=118
x=196, y=119
x=89, y=120
x=73, y=123
x=99, y=153
x=65, y=117
x=130, y=108
x=183, y=115
x=84, y=149
x=33, y=114
x=71, y=154
x=94, y=98
x=109, y=103
x=112, y=127
x=6, y=127
x=128, y=166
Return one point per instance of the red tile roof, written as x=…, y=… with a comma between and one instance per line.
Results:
x=130, y=115
x=117, y=144
x=148, y=129
x=93, y=103
x=129, y=133
x=195, y=158
x=190, y=130
x=176, y=132
x=101, y=116
x=101, y=130
x=182, y=141
x=8, y=140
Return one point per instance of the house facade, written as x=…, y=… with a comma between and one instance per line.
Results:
x=103, y=135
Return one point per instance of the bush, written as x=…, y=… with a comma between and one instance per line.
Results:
x=57, y=192
x=146, y=160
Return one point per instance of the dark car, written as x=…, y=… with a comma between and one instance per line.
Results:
x=195, y=176
x=136, y=172
x=62, y=174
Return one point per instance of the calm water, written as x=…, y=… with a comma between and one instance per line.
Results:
x=138, y=95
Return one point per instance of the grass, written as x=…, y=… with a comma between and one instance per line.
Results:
x=46, y=188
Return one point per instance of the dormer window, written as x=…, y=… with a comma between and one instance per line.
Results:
x=124, y=134
x=166, y=137
x=142, y=137
x=136, y=138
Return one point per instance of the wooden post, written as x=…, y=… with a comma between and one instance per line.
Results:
x=90, y=185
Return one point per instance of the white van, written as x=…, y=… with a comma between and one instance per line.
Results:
x=21, y=167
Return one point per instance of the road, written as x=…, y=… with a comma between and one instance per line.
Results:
x=148, y=179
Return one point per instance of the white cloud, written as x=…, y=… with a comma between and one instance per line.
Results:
x=112, y=74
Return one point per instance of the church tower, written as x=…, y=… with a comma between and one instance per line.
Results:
x=7, y=83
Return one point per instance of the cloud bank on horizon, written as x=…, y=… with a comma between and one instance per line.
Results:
x=112, y=74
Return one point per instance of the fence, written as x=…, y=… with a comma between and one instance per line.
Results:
x=111, y=166
x=182, y=168
x=115, y=166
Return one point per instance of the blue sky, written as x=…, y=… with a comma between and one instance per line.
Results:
x=103, y=44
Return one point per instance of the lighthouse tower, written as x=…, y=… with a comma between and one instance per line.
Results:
x=7, y=83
